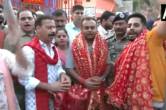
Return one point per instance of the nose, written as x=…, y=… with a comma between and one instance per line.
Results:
x=90, y=29
x=79, y=14
x=132, y=27
x=27, y=20
x=61, y=37
x=53, y=29
x=118, y=26
x=131, y=30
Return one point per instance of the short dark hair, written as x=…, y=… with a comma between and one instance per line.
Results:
x=41, y=18
x=106, y=15
x=34, y=14
x=77, y=7
x=138, y=15
x=59, y=12
x=18, y=14
x=1, y=6
x=87, y=18
x=59, y=29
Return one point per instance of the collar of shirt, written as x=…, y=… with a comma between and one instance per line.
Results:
x=28, y=35
x=49, y=50
x=72, y=25
x=124, y=38
x=44, y=45
x=110, y=32
x=106, y=34
x=102, y=30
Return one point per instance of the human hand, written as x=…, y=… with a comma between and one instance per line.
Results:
x=59, y=86
x=97, y=79
x=93, y=82
x=65, y=78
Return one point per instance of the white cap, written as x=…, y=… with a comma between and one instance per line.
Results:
x=39, y=13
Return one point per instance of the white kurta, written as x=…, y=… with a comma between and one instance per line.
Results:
x=12, y=65
x=106, y=34
x=30, y=82
x=8, y=57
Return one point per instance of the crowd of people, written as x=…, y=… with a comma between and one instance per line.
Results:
x=113, y=62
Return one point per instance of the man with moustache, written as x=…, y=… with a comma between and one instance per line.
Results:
x=120, y=27
x=88, y=63
x=45, y=75
x=60, y=17
x=120, y=40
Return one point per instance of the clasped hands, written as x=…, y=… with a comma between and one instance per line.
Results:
x=62, y=85
x=93, y=82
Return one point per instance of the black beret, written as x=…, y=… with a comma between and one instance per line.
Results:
x=120, y=16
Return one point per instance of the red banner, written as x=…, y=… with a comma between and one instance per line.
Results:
x=33, y=1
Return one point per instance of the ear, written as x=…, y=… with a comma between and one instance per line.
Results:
x=103, y=21
x=38, y=28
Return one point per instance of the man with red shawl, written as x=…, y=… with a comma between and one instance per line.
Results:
x=88, y=65
x=141, y=72
x=46, y=75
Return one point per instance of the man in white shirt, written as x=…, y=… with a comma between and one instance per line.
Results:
x=105, y=29
x=45, y=75
x=73, y=28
